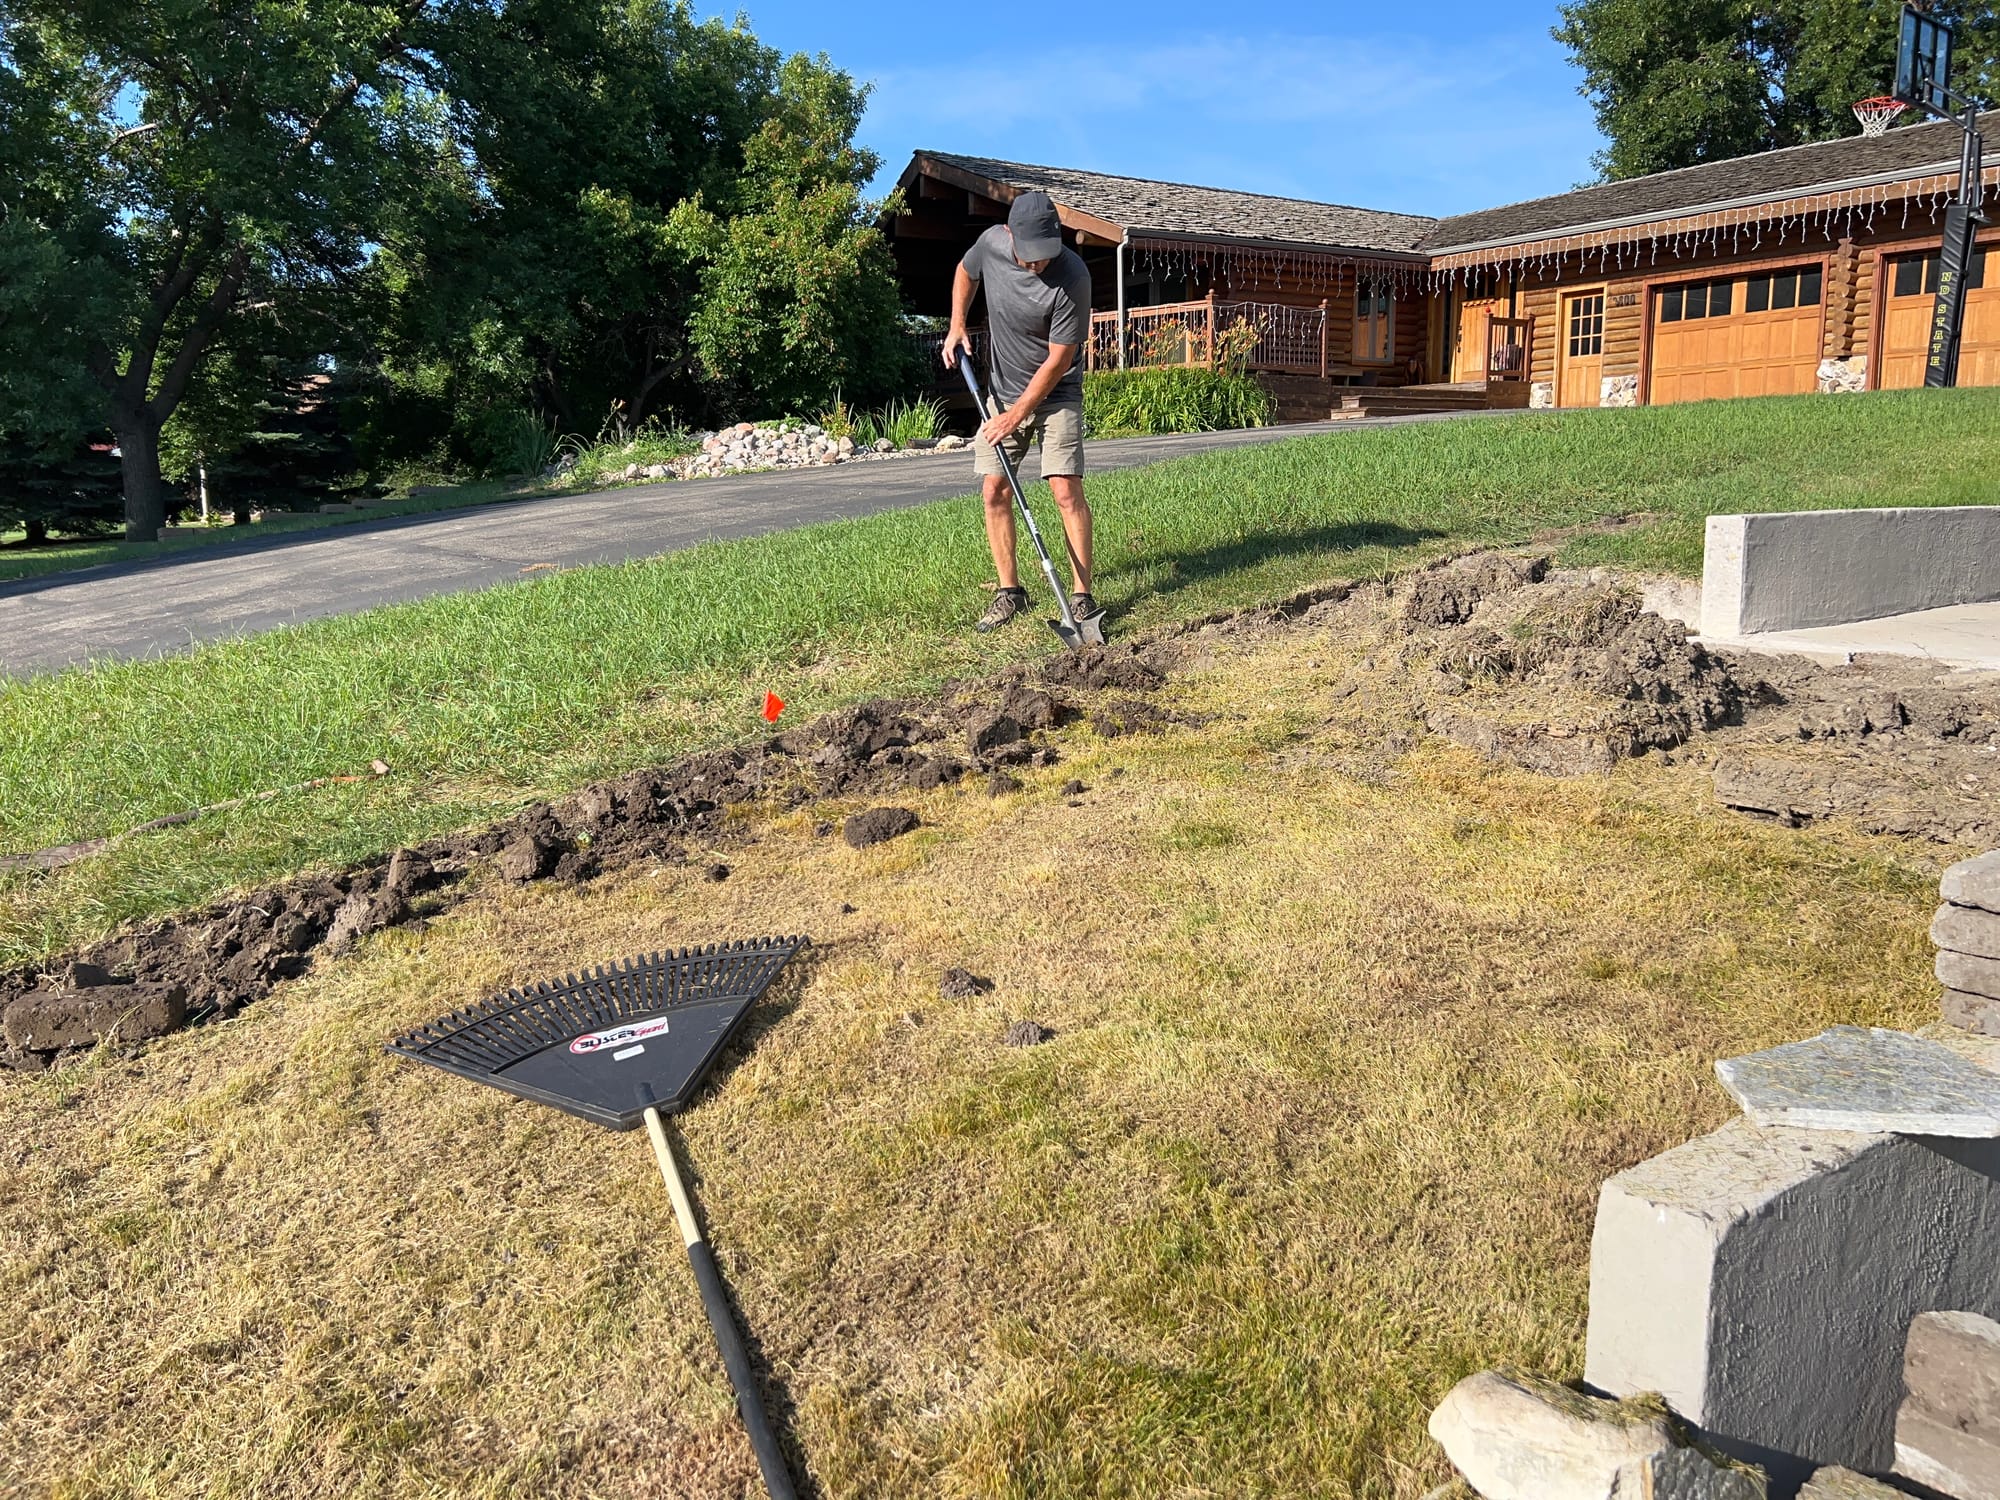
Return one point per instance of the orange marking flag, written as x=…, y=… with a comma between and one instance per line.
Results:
x=773, y=706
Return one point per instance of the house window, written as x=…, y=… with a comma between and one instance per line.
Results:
x=1586, y=326
x=1916, y=275
x=1374, y=320
x=1700, y=299
x=1780, y=290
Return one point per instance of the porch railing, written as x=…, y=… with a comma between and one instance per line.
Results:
x=1258, y=335
x=1275, y=336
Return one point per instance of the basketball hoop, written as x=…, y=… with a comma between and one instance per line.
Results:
x=1876, y=115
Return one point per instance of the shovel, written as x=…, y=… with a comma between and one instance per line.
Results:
x=1075, y=633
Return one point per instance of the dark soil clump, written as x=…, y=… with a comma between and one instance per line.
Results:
x=877, y=826
x=963, y=984
x=1027, y=1034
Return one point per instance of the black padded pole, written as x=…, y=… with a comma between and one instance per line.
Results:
x=735, y=1358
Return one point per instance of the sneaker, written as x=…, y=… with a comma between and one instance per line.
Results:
x=1083, y=606
x=1006, y=604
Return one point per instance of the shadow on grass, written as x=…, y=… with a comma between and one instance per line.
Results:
x=1193, y=567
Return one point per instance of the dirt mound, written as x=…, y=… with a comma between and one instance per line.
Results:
x=963, y=984
x=1130, y=668
x=1027, y=1034
x=1449, y=593
x=878, y=825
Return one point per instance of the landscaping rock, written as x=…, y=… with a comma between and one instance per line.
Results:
x=1868, y=1081
x=1967, y=929
x=1945, y=1458
x=877, y=825
x=53, y=1020
x=1686, y=1474
x=1074, y=788
x=1951, y=1367
x=1963, y=971
x=999, y=784
x=1975, y=1013
x=963, y=984
x=1519, y=1437
x=1974, y=882
x=1027, y=1034
x=716, y=873
x=1844, y=1484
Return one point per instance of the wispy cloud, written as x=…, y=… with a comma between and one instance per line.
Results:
x=1389, y=121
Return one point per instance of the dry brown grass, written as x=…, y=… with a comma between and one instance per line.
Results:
x=1345, y=1042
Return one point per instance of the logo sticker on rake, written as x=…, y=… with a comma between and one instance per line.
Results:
x=595, y=1041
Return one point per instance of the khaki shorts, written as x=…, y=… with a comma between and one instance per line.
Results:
x=1059, y=429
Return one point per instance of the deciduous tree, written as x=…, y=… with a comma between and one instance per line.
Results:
x=191, y=158
x=1677, y=82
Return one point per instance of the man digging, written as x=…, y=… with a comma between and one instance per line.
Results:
x=1037, y=317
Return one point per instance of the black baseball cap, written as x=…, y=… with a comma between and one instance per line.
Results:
x=1037, y=230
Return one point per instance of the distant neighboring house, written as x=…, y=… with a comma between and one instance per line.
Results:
x=1806, y=269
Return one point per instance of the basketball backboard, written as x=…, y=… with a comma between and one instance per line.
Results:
x=1923, y=62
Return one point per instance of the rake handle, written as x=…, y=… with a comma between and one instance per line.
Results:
x=715, y=1299
x=1014, y=484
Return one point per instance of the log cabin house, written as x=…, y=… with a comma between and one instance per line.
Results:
x=1806, y=269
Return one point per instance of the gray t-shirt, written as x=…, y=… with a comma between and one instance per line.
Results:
x=1025, y=313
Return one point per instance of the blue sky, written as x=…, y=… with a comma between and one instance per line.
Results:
x=1434, y=107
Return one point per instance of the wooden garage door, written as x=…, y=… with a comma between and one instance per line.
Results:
x=1738, y=336
x=1906, y=323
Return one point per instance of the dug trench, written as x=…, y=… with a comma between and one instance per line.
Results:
x=1561, y=673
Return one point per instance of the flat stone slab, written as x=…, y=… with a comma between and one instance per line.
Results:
x=1974, y=882
x=1866, y=1080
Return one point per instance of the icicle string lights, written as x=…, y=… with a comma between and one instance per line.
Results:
x=1825, y=218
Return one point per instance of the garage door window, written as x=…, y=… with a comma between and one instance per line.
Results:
x=1798, y=287
x=1916, y=275
x=1702, y=299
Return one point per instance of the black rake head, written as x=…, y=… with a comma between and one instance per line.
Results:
x=608, y=1044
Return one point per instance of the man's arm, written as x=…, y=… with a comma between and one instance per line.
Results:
x=1052, y=369
x=963, y=289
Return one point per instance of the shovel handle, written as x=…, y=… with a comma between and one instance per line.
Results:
x=715, y=1300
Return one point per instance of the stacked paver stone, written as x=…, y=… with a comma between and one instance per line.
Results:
x=1967, y=933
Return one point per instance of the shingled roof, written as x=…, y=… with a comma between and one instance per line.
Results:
x=1852, y=161
x=1181, y=209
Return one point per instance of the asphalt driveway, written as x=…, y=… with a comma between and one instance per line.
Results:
x=127, y=610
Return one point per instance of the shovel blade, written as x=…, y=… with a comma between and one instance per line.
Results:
x=1091, y=628
x=1072, y=638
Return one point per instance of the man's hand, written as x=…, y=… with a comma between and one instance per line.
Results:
x=997, y=429
x=954, y=341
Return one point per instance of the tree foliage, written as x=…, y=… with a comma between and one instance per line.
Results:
x=1677, y=82
x=486, y=215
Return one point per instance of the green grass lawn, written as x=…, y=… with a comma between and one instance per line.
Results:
x=480, y=700
x=18, y=560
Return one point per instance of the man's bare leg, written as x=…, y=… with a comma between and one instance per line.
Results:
x=1068, y=490
x=1000, y=529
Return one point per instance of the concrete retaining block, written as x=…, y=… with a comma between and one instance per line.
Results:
x=1763, y=1281
x=1797, y=570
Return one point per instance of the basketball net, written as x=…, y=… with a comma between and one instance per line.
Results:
x=1876, y=115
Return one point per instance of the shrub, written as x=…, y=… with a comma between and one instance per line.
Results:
x=1124, y=403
